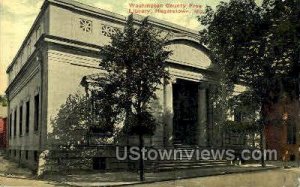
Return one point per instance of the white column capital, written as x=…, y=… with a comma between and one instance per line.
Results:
x=203, y=85
x=173, y=79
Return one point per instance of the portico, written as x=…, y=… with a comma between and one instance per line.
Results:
x=186, y=109
x=186, y=94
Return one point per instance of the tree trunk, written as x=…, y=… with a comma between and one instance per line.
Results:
x=263, y=145
x=141, y=165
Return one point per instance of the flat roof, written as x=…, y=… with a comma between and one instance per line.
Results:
x=91, y=9
x=103, y=13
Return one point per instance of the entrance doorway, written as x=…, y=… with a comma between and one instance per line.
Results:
x=185, y=106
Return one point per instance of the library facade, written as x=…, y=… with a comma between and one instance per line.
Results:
x=63, y=46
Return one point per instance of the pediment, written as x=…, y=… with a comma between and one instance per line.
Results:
x=190, y=53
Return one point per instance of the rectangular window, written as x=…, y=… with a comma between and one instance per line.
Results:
x=26, y=154
x=21, y=121
x=36, y=112
x=35, y=155
x=22, y=59
x=28, y=48
x=10, y=125
x=15, y=153
x=15, y=123
x=27, y=117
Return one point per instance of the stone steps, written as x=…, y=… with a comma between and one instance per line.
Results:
x=185, y=162
x=177, y=164
x=190, y=167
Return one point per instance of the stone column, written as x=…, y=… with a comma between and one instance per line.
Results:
x=202, y=117
x=168, y=113
x=210, y=128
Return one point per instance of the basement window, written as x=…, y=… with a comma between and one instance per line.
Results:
x=99, y=163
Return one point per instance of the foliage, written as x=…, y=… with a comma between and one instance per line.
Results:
x=240, y=127
x=103, y=98
x=70, y=126
x=256, y=46
x=146, y=124
x=73, y=125
x=3, y=100
x=219, y=95
x=136, y=65
x=246, y=105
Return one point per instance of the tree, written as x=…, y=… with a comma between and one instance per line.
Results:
x=70, y=126
x=219, y=93
x=71, y=132
x=136, y=65
x=258, y=47
x=68, y=134
x=244, y=107
x=3, y=100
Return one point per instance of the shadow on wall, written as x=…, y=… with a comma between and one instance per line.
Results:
x=75, y=140
x=70, y=138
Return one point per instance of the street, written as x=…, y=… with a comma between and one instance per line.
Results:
x=271, y=178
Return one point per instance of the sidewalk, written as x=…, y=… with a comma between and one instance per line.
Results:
x=12, y=169
x=94, y=178
x=130, y=178
x=281, y=164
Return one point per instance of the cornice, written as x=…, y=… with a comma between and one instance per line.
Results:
x=76, y=6
x=72, y=43
x=41, y=13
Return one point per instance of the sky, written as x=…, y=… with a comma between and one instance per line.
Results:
x=17, y=17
